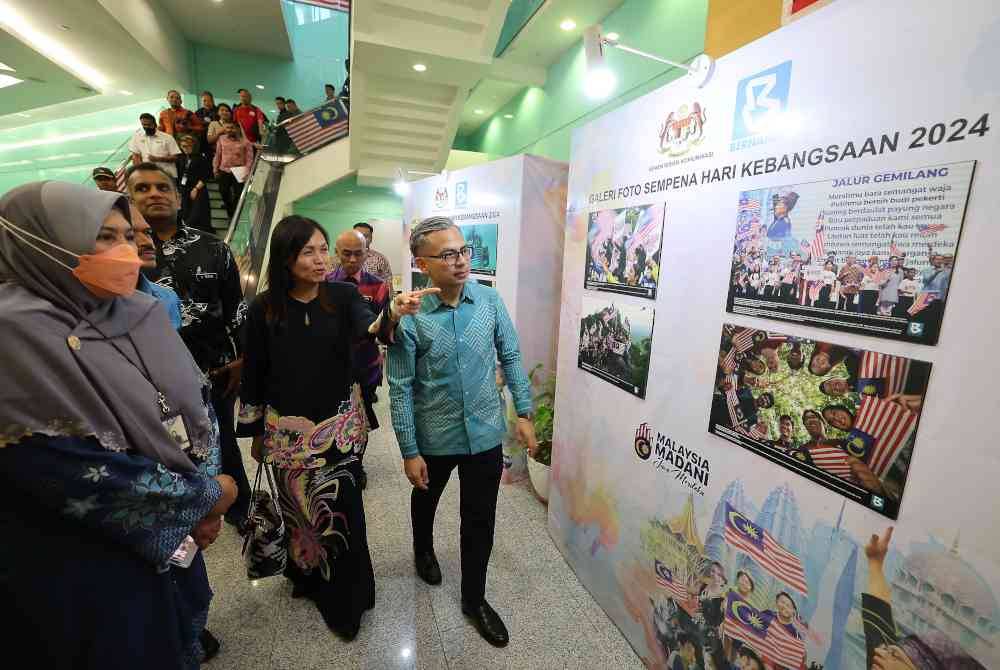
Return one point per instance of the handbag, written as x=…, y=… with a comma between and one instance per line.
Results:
x=264, y=545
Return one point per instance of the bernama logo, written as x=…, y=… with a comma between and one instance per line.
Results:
x=761, y=100
x=672, y=458
x=682, y=129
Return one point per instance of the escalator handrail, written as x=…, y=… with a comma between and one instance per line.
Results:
x=239, y=205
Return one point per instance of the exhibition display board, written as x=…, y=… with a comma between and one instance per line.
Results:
x=775, y=359
x=511, y=213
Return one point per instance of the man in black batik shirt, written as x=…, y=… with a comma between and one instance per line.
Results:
x=200, y=268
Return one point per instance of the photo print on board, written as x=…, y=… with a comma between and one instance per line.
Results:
x=844, y=418
x=482, y=237
x=419, y=280
x=623, y=250
x=615, y=342
x=870, y=254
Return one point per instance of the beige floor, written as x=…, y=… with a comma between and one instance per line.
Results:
x=553, y=621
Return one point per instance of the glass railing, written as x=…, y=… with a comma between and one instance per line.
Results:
x=250, y=227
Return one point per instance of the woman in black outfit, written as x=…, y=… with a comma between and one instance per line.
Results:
x=193, y=171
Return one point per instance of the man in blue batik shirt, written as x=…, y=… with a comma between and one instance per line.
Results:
x=147, y=252
x=446, y=411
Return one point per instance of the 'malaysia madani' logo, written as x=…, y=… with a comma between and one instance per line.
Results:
x=666, y=454
x=682, y=129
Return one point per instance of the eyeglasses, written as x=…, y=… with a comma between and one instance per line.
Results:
x=451, y=256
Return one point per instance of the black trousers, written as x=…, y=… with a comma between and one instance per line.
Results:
x=232, y=461
x=479, y=476
x=230, y=190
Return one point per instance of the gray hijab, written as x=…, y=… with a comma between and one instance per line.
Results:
x=76, y=365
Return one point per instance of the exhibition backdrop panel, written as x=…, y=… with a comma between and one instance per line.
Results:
x=511, y=212
x=820, y=367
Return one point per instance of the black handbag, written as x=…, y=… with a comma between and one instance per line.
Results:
x=265, y=547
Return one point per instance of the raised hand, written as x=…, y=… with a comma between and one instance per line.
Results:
x=878, y=547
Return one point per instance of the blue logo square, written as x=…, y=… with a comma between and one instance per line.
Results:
x=916, y=329
x=461, y=194
x=760, y=98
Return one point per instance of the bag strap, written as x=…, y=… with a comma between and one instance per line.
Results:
x=274, y=491
x=253, y=498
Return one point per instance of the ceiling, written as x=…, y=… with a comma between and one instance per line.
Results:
x=44, y=82
x=251, y=26
x=539, y=43
x=126, y=50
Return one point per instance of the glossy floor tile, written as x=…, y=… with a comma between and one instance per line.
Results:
x=553, y=621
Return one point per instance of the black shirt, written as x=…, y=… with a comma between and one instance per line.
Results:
x=200, y=268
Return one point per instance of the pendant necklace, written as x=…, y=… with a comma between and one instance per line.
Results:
x=308, y=323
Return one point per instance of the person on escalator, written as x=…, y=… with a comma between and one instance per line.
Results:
x=233, y=159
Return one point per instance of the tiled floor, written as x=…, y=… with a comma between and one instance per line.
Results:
x=553, y=621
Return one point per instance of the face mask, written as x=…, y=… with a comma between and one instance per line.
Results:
x=115, y=271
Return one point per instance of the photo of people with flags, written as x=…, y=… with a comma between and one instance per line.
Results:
x=615, y=343
x=870, y=259
x=845, y=418
x=623, y=250
x=482, y=237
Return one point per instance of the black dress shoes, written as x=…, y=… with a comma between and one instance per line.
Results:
x=428, y=568
x=209, y=645
x=488, y=623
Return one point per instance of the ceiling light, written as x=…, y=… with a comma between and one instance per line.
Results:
x=478, y=111
x=401, y=188
x=6, y=80
x=66, y=138
x=614, y=37
x=23, y=115
x=599, y=83
x=568, y=24
x=420, y=67
x=260, y=86
x=18, y=26
x=6, y=67
x=508, y=116
x=124, y=92
x=13, y=163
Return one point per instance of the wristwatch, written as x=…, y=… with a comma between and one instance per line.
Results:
x=524, y=416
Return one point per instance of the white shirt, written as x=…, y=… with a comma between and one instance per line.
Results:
x=160, y=144
x=909, y=287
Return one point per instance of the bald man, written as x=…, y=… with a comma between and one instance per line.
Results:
x=351, y=252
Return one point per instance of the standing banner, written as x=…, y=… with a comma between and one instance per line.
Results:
x=807, y=479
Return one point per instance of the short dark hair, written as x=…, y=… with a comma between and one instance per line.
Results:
x=226, y=105
x=785, y=417
x=278, y=97
x=173, y=90
x=785, y=594
x=149, y=167
x=746, y=574
x=147, y=115
x=240, y=90
x=769, y=397
x=330, y=86
x=290, y=101
x=807, y=412
x=362, y=224
x=208, y=93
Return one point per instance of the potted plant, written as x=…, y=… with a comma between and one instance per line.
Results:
x=540, y=464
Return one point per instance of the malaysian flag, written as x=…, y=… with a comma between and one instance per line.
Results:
x=744, y=339
x=743, y=534
x=311, y=130
x=920, y=303
x=882, y=375
x=926, y=229
x=762, y=633
x=893, y=249
x=818, y=246
x=665, y=578
x=831, y=459
x=121, y=180
x=749, y=204
x=338, y=5
x=880, y=432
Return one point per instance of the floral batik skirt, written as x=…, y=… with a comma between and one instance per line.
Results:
x=317, y=466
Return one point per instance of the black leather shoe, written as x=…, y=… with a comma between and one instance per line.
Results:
x=488, y=623
x=428, y=568
x=209, y=644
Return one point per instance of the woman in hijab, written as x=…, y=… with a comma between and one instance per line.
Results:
x=108, y=452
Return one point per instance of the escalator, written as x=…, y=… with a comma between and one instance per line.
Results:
x=303, y=146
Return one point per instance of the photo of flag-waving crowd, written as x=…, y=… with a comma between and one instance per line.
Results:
x=877, y=262
x=623, y=250
x=845, y=418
